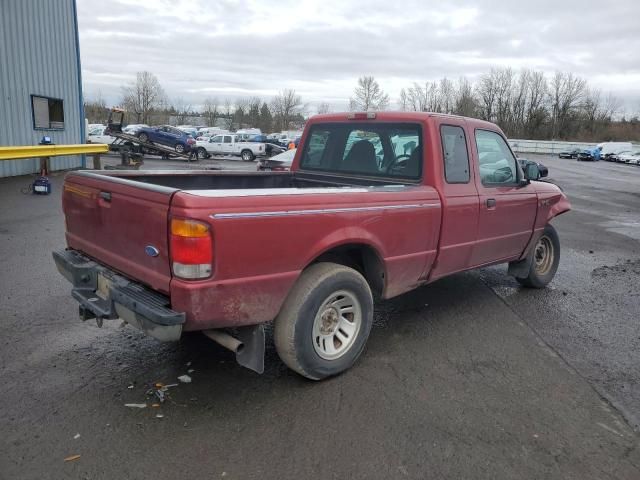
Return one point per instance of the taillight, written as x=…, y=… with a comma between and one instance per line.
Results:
x=191, y=248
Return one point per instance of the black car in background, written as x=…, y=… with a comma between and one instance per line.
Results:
x=570, y=154
x=534, y=170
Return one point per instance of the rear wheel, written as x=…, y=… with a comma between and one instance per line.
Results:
x=143, y=137
x=202, y=154
x=247, y=155
x=179, y=148
x=325, y=321
x=546, y=257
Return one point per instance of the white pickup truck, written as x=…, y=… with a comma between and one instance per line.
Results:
x=229, y=145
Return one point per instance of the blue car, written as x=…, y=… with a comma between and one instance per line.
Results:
x=589, y=155
x=167, y=135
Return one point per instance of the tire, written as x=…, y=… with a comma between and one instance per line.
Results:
x=202, y=154
x=310, y=317
x=179, y=148
x=247, y=155
x=546, y=257
x=143, y=137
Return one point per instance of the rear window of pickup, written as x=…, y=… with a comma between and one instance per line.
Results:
x=365, y=149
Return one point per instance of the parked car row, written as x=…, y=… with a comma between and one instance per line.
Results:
x=247, y=143
x=628, y=156
x=622, y=152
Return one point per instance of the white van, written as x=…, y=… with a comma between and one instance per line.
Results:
x=614, y=147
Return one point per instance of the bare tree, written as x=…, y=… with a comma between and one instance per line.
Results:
x=227, y=113
x=324, y=107
x=211, y=110
x=368, y=96
x=465, y=102
x=181, y=109
x=567, y=93
x=143, y=96
x=285, y=106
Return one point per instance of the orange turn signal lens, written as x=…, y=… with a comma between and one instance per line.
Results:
x=188, y=228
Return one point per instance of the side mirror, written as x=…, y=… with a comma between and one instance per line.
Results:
x=532, y=172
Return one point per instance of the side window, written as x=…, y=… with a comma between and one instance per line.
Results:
x=216, y=139
x=227, y=139
x=497, y=163
x=456, y=156
x=316, y=147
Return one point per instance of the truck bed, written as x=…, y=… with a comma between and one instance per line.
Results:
x=216, y=180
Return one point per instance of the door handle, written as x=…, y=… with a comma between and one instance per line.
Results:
x=491, y=202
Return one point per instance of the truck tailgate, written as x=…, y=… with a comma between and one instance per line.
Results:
x=120, y=225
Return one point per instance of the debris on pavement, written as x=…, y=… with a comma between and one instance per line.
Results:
x=159, y=415
x=184, y=378
x=72, y=458
x=191, y=370
x=130, y=386
x=76, y=436
x=136, y=405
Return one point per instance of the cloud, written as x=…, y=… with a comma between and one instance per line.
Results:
x=255, y=47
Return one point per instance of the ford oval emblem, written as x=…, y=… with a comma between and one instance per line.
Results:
x=151, y=251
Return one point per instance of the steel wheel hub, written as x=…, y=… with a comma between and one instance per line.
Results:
x=543, y=255
x=336, y=325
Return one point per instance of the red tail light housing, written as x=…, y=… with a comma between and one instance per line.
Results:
x=191, y=248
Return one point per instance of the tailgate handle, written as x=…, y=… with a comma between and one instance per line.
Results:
x=106, y=196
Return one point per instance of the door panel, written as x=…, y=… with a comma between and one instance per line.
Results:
x=460, y=203
x=507, y=209
x=504, y=227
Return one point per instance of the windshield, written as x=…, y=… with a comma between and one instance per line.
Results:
x=368, y=149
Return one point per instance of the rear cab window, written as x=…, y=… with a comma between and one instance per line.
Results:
x=390, y=150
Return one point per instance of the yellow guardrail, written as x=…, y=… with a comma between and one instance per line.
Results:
x=36, y=151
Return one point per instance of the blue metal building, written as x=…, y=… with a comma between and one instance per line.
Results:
x=40, y=80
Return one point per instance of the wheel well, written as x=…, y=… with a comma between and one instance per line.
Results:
x=362, y=258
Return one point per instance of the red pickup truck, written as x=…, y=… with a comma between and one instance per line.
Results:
x=375, y=204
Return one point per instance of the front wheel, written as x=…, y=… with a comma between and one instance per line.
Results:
x=546, y=257
x=247, y=155
x=179, y=148
x=325, y=321
x=143, y=137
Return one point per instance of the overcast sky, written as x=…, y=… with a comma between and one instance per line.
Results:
x=226, y=48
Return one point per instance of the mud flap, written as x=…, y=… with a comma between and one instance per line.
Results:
x=251, y=356
x=520, y=269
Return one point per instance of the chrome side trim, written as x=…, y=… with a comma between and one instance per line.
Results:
x=288, y=213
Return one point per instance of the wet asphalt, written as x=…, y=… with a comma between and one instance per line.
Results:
x=471, y=377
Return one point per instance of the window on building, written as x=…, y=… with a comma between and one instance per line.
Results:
x=48, y=113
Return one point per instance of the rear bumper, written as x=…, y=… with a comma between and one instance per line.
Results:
x=103, y=294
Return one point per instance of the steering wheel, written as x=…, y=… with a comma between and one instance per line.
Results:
x=394, y=163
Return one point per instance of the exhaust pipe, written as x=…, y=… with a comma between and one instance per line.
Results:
x=226, y=340
x=248, y=347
